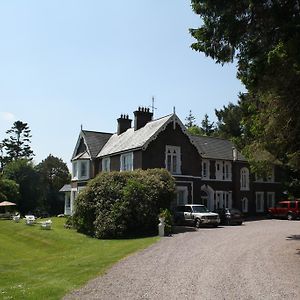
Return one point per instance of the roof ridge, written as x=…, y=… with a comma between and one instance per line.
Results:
x=211, y=137
x=83, y=130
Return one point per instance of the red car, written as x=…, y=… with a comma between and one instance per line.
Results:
x=286, y=209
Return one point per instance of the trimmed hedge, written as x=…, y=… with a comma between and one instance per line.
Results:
x=120, y=204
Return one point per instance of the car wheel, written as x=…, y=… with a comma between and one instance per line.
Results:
x=197, y=223
x=290, y=217
x=215, y=225
x=269, y=216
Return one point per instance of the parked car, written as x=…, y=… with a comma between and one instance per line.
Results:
x=230, y=216
x=196, y=215
x=285, y=209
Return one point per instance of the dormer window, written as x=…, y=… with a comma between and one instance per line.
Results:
x=173, y=159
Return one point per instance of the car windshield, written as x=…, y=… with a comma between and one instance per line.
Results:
x=200, y=209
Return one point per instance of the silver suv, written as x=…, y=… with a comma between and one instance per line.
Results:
x=195, y=214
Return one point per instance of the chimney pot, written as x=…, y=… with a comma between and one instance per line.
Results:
x=141, y=117
x=124, y=123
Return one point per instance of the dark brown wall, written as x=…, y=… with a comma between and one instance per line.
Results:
x=154, y=155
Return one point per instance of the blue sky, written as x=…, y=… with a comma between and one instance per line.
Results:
x=67, y=63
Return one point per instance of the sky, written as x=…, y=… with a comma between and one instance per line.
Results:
x=69, y=63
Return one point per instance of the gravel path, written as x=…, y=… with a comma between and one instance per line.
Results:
x=255, y=261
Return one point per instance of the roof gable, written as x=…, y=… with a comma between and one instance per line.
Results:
x=139, y=139
x=94, y=142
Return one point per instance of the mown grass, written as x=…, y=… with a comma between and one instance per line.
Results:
x=46, y=264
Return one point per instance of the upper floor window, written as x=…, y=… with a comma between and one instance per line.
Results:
x=244, y=180
x=106, y=164
x=223, y=170
x=80, y=169
x=227, y=170
x=74, y=169
x=126, y=162
x=173, y=159
x=83, y=168
x=205, y=169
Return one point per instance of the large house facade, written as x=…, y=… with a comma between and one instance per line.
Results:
x=207, y=170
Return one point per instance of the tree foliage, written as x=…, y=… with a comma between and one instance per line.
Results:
x=190, y=120
x=17, y=145
x=53, y=174
x=264, y=38
x=118, y=204
x=9, y=190
x=207, y=127
x=23, y=173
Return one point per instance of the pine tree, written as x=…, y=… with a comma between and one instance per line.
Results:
x=190, y=120
x=207, y=127
x=18, y=144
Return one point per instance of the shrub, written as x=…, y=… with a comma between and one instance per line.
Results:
x=119, y=204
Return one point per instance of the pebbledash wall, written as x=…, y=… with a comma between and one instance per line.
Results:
x=207, y=170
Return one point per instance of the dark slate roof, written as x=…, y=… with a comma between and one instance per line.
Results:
x=95, y=141
x=216, y=148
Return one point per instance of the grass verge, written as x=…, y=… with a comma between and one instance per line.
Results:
x=47, y=264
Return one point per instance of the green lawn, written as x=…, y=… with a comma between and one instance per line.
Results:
x=46, y=264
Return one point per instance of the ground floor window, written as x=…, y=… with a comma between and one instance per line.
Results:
x=245, y=205
x=270, y=199
x=182, y=195
x=204, y=198
x=259, y=201
x=223, y=199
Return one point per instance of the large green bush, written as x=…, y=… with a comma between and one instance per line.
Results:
x=119, y=204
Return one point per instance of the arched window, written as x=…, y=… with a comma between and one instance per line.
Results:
x=244, y=179
x=244, y=204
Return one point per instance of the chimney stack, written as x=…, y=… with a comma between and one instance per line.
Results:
x=124, y=123
x=141, y=117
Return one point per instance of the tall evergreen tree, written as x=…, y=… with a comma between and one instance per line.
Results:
x=190, y=120
x=207, y=127
x=17, y=145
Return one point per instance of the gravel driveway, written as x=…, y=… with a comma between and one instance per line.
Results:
x=259, y=260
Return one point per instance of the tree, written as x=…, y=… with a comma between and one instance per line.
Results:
x=190, y=120
x=53, y=174
x=263, y=37
x=9, y=190
x=17, y=145
x=207, y=127
x=23, y=173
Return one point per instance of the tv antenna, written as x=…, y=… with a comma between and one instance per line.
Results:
x=152, y=106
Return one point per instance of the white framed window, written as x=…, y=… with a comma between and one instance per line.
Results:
x=245, y=204
x=259, y=199
x=173, y=159
x=270, y=199
x=223, y=199
x=219, y=170
x=83, y=169
x=126, y=162
x=182, y=195
x=244, y=179
x=106, y=164
x=74, y=170
x=227, y=170
x=205, y=169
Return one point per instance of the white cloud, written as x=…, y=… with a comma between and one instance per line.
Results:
x=7, y=116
